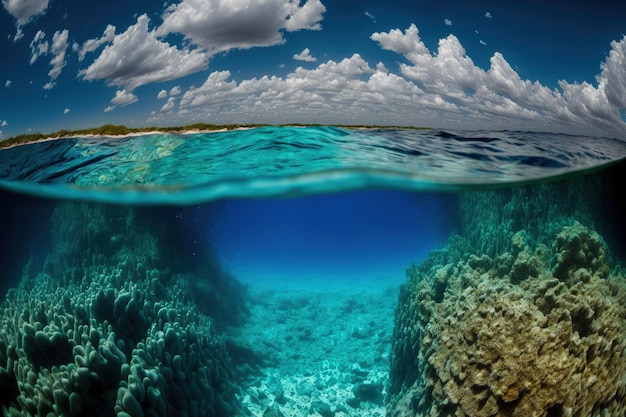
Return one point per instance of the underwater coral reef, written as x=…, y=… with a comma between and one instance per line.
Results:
x=110, y=327
x=521, y=314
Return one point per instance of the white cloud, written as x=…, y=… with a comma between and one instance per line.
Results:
x=442, y=88
x=222, y=25
x=448, y=22
x=137, y=57
x=24, y=11
x=141, y=55
x=488, y=15
x=38, y=46
x=4, y=123
x=66, y=111
x=307, y=16
x=482, y=42
x=58, y=48
x=612, y=79
x=169, y=105
x=93, y=44
x=305, y=55
x=7, y=83
x=500, y=97
x=174, y=91
x=349, y=91
x=408, y=44
x=122, y=98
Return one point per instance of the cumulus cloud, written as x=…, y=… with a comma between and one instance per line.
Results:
x=308, y=16
x=448, y=22
x=137, y=57
x=612, y=79
x=488, y=15
x=169, y=105
x=122, y=98
x=305, y=55
x=499, y=91
x=4, y=123
x=66, y=111
x=482, y=42
x=24, y=11
x=334, y=92
x=141, y=55
x=440, y=88
x=174, y=91
x=93, y=44
x=58, y=49
x=38, y=46
x=7, y=83
x=222, y=25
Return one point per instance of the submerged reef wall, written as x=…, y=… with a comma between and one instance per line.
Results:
x=110, y=327
x=489, y=219
x=522, y=314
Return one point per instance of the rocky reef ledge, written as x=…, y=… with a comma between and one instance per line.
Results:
x=109, y=326
x=522, y=314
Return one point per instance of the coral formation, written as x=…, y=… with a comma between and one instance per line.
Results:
x=533, y=327
x=107, y=329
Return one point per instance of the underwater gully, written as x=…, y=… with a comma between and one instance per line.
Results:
x=314, y=271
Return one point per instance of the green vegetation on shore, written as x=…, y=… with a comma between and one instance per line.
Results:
x=118, y=130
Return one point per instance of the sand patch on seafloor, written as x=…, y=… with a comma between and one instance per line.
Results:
x=319, y=352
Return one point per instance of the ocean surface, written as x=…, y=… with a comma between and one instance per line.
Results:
x=322, y=271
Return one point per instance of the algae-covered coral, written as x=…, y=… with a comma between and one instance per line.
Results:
x=519, y=316
x=109, y=328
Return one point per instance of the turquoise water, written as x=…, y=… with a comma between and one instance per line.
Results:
x=292, y=161
x=320, y=271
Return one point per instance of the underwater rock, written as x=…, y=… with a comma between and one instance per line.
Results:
x=95, y=334
x=322, y=408
x=273, y=412
x=368, y=391
x=535, y=330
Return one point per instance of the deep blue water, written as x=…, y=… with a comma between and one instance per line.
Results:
x=329, y=237
x=276, y=256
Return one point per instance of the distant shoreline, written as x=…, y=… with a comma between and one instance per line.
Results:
x=119, y=131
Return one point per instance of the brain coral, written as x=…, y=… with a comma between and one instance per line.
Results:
x=533, y=331
x=108, y=330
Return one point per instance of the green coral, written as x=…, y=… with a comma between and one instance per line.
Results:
x=107, y=329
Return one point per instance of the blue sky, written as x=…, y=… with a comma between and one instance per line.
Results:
x=531, y=65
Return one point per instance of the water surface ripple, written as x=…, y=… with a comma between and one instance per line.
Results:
x=286, y=161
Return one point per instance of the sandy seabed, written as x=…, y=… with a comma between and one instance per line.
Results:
x=319, y=352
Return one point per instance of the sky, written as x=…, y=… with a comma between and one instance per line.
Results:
x=519, y=65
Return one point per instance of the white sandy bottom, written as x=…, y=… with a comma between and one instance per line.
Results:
x=323, y=351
